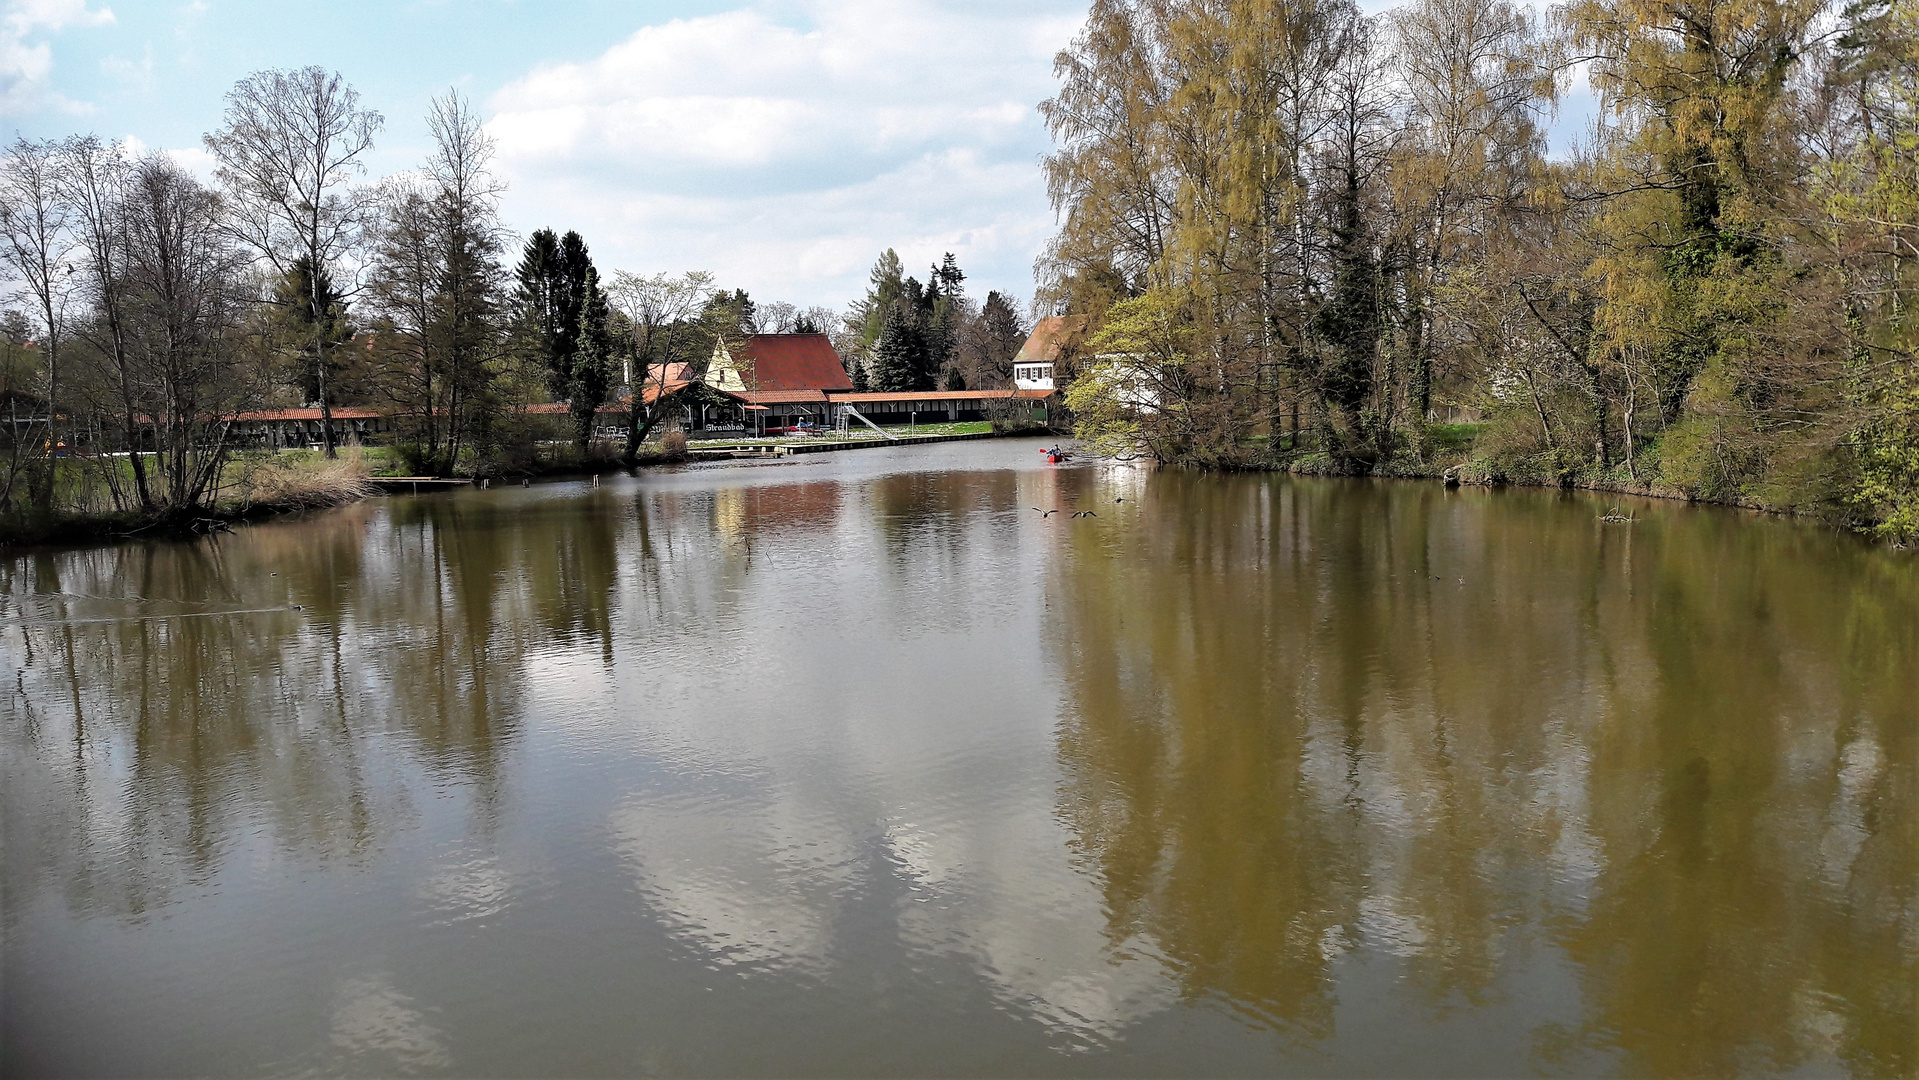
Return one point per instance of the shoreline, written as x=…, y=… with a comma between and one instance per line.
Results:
x=122, y=528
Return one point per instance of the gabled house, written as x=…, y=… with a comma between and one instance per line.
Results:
x=1033, y=367
x=784, y=377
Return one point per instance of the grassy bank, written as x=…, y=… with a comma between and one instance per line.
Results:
x=251, y=486
x=1476, y=454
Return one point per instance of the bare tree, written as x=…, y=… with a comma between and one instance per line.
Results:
x=776, y=317
x=182, y=298
x=93, y=178
x=438, y=287
x=35, y=242
x=289, y=152
x=664, y=313
x=989, y=339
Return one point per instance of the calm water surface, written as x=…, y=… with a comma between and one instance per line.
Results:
x=858, y=765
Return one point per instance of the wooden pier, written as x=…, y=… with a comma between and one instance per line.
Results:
x=416, y=485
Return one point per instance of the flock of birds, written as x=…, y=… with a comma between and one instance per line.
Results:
x=1076, y=513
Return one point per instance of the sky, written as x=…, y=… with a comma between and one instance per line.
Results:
x=781, y=144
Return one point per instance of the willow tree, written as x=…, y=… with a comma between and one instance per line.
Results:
x=1187, y=136
x=1701, y=153
x=1474, y=74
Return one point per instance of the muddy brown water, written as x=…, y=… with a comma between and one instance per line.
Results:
x=858, y=764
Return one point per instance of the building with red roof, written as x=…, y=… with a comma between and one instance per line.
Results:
x=779, y=363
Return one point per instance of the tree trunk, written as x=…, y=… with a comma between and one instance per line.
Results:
x=326, y=406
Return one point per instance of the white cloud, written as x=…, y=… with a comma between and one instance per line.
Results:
x=785, y=153
x=25, y=65
x=194, y=159
x=133, y=74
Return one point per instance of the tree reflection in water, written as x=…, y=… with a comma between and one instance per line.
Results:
x=1309, y=718
x=1243, y=771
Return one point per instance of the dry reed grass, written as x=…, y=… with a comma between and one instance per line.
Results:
x=281, y=483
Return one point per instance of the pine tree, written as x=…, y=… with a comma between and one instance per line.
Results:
x=553, y=275
x=897, y=353
x=868, y=315
x=998, y=334
x=540, y=303
x=296, y=294
x=592, y=360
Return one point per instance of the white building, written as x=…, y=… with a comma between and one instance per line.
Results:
x=1033, y=367
x=1033, y=376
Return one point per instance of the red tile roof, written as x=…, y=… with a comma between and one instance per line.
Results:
x=654, y=391
x=339, y=413
x=792, y=362
x=1049, y=334
x=939, y=396
x=779, y=397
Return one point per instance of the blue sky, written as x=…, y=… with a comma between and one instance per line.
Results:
x=780, y=144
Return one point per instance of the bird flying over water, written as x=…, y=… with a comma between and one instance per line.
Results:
x=1046, y=513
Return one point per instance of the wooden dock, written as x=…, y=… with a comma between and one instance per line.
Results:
x=721, y=451
x=416, y=485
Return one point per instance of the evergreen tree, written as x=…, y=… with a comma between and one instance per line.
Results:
x=553, y=275
x=897, y=355
x=1350, y=322
x=735, y=312
x=943, y=306
x=860, y=383
x=540, y=304
x=296, y=296
x=592, y=369
x=867, y=317
x=948, y=274
x=995, y=340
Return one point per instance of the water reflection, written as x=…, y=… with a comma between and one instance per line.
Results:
x=850, y=766
x=1470, y=734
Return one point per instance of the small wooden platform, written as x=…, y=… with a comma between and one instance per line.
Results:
x=415, y=485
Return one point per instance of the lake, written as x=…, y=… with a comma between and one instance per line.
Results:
x=862, y=764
